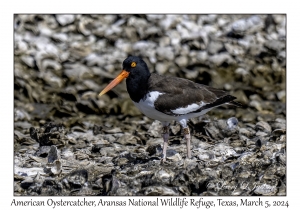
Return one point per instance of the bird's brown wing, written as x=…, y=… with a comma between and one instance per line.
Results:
x=179, y=93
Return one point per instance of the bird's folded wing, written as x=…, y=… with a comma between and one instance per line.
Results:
x=181, y=96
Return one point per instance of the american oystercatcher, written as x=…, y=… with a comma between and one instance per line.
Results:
x=166, y=98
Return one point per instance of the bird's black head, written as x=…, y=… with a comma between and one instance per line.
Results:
x=137, y=73
x=135, y=66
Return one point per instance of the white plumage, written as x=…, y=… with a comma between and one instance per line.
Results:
x=147, y=108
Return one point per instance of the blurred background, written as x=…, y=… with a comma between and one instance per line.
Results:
x=62, y=62
x=70, y=141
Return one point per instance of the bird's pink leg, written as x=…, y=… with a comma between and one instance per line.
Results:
x=165, y=135
x=187, y=137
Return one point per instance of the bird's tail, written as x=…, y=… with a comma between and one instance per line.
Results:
x=238, y=104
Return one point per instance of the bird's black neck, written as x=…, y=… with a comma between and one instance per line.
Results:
x=137, y=86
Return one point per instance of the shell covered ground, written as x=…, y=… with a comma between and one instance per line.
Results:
x=70, y=141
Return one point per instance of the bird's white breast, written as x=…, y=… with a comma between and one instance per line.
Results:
x=147, y=107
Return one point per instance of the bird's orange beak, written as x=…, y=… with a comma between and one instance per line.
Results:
x=124, y=74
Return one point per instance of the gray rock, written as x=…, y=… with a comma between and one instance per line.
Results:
x=181, y=61
x=214, y=47
x=165, y=53
x=27, y=182
x=281, y=95
x=161, y=68
x=65, y=19
x=28, y=60
x=275, y=45
x=219, y=59
x=128, y=139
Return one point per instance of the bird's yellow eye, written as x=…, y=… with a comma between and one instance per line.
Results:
x=133, y=64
